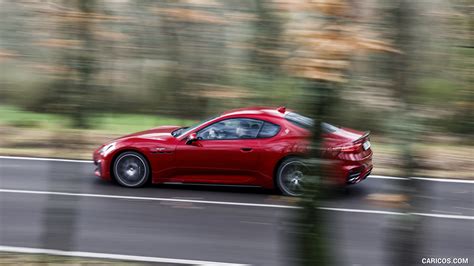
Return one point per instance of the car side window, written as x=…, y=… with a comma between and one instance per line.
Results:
x=268, y=130
x=234, y=128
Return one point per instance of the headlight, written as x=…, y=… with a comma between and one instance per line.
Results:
x=107, y=148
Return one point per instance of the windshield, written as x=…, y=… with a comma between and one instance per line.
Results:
x=183, y=130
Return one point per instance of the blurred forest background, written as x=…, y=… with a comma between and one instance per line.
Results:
x=74, y=74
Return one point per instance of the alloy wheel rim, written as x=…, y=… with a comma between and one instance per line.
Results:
x=292, y=177
x=130, y=169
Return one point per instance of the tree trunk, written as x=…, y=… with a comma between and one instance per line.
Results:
x=312, y=241
x=403, y=241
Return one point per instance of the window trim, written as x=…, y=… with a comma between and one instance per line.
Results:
x=264, y=121
x=256, y=119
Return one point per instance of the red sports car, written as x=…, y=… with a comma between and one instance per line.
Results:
x=252, y=146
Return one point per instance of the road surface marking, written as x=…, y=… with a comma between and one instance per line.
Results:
x=257, y=223
x=461, y=217
x=434, y=215
x=45, y=159
x=113, y=256
x=447, y=180
x=447, y=212
x=386, y=177
x=146, y=198
x=362, y=211
x=471, y=209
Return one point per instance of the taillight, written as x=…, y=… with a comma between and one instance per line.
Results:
x=349, y=148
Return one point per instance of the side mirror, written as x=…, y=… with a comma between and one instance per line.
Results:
x=191, y=139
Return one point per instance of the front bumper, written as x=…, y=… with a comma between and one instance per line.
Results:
x=101, y=167
x=98, y=168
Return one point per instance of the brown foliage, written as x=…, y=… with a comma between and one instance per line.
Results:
x=60, y=43
x=189, y=15
x=6, y=54
x=324, y=47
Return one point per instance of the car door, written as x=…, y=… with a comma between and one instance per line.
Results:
x=226, y=152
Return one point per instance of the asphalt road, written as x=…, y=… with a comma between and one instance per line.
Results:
x=219, y=224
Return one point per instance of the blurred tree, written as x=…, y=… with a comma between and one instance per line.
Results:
x=86, y=65
x=72, y=90
x=76, y=54
x=222, y=45
x=193, y=50
x=462, y=46
x=268, y=26
x=4, y=56
x=322, y=37
x=403, y=240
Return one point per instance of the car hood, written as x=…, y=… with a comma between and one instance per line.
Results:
x=158, y=133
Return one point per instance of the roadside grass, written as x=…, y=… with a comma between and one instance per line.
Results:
x=128, y=123
x=114, y=123
x=10, y=258
x=12, y=116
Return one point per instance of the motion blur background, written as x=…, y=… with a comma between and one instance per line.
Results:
x=102, y=68
x=74, y=74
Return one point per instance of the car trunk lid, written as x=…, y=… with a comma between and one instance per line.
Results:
x=349, y=140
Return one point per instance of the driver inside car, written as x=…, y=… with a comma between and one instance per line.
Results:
x=244, y=130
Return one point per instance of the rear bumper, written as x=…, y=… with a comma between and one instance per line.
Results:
x=358, y=174
x=349, y=172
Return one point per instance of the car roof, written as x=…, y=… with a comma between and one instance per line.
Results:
x=259, y=110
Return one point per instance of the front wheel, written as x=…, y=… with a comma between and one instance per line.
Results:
x=131, y=169
x=290, y=177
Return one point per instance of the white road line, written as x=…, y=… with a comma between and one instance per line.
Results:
x=45, y=159
x=446, y=180
x=447, y=216
x=361, y=211
x=434, y=215
x=461, y=217
x=446, y=212
x=471, y=209
x=386, y=177
x=113, y=256
x=145, y=198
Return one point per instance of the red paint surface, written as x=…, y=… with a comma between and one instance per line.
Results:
x=237, y=161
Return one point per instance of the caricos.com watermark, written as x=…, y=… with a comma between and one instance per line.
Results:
x=445, y=260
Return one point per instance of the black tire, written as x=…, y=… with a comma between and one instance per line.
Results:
x=289, y=176
x=131, y=169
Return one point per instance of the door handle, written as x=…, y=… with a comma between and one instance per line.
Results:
x=246, y=149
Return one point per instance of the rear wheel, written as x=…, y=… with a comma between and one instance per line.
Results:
x=290, y=177
x=131, y=169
